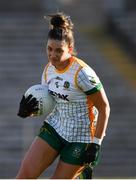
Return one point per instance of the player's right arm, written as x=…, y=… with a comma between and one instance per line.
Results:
x=28, y=105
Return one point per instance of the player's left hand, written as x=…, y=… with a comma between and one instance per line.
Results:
x=92, y=154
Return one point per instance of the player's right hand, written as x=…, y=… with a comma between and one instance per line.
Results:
x=28, y=105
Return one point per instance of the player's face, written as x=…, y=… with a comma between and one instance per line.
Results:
x=57, y=51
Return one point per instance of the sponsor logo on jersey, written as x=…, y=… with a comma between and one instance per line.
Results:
x=57, y=84
x=59, y=78
x=58, y=95
x=92, y=80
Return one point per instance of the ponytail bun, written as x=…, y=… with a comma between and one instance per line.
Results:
x=60, y=20
x=57, y=22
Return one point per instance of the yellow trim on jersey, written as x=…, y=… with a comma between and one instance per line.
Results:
x=82, y=64
x=71, y=59
x=75, y=78
x=45, y=71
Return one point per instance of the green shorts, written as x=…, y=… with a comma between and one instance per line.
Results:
x=70, y=152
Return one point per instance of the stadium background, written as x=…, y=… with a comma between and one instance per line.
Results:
x=105, y=32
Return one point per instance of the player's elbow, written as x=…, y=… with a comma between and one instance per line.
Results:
x=104, y=108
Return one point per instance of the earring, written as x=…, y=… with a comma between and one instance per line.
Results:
x=70, y=49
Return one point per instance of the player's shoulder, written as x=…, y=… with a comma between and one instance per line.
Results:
x=48, y=67
x=84, y=67
x=81, y=62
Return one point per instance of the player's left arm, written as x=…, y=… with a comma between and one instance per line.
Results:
x=100, y=101
x=91, y=85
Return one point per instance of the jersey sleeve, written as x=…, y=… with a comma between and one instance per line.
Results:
x=88, y=81
x=44, y=75
x=43, y=81
x=43, y=78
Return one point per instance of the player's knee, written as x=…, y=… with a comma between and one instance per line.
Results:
x=26, y=171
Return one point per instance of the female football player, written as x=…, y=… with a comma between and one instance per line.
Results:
x=75, y=129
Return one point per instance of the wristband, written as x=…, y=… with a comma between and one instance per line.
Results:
x=97, y=140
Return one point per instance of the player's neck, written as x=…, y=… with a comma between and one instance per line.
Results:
x=62, y=65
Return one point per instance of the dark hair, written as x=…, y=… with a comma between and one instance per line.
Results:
x=61, y=28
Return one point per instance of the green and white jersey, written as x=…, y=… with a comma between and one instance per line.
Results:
x=74, y=117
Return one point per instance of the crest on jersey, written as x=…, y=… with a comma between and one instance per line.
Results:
x=66, y=84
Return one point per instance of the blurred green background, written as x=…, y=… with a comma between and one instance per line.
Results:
x=105, y=35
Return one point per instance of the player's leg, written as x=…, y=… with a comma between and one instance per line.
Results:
x=71, y=161
x=39, y=156
x=86, y=173
x=66, y=171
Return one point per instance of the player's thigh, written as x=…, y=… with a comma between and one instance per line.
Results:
x=66, y=171
x=39, y=156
